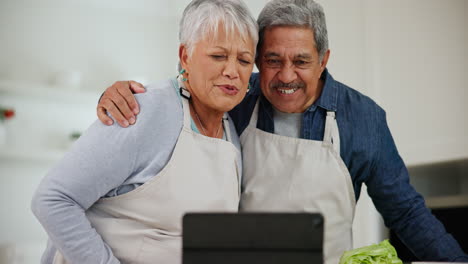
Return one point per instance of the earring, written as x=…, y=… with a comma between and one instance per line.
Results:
x=248, y=88
x=182, y=72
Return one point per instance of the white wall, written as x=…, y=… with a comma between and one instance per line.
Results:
x=410, y=56
x=347, y=41
x=420, y=51
x=103, y=40
x=18, y=226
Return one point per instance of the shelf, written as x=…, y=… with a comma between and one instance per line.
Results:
x=38, y=155
x=448, y=201
x=47, y=92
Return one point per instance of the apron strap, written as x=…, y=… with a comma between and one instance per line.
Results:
x=186, y=109
x=254, y=117
x=331, y=136
x=177, y=83
x=227, y=128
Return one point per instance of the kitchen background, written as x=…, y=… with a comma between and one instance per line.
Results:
x=58, y=56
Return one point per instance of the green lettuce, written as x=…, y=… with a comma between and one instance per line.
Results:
x=383, y=252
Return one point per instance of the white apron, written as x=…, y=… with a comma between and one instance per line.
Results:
x=284, y=174
x=144, y=225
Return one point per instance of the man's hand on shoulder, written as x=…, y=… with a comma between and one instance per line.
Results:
x=118, y=100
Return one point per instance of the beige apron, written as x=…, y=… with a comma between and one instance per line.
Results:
x=144, y=225
x=284, y=174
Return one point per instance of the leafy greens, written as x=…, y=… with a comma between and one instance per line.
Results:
x=382, y=253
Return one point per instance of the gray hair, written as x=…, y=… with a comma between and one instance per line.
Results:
x=203, y=16
x=300, y=13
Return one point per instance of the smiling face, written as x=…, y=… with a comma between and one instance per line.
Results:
x=290, y=68
x=218, y=69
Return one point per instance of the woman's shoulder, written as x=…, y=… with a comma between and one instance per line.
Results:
x=159, y=104
x=160, y=118
x=159, y=94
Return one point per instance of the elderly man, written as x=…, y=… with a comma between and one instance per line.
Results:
x=310, y=142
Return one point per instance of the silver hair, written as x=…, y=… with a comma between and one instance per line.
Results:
x=300, y=13
x=201, y=17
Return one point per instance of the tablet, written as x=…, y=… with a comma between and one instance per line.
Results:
x=252, y=238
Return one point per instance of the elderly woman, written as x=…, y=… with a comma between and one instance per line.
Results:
x=124, y=202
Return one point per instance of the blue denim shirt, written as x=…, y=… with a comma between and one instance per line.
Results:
x=370, y=154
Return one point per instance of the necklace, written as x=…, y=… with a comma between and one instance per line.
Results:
x=201, y=124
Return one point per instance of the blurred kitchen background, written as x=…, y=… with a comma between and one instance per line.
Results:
x=58, y=56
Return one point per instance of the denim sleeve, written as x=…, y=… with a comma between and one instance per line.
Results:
x=402, y=208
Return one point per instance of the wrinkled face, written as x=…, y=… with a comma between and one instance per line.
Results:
x=290, y=68
x=218, y=69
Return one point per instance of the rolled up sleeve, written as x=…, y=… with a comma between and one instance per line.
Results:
x=402, y=208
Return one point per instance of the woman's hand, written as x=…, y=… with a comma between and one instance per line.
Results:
x=118, y=100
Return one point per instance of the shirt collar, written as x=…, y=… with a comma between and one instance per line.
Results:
x=329, y=97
